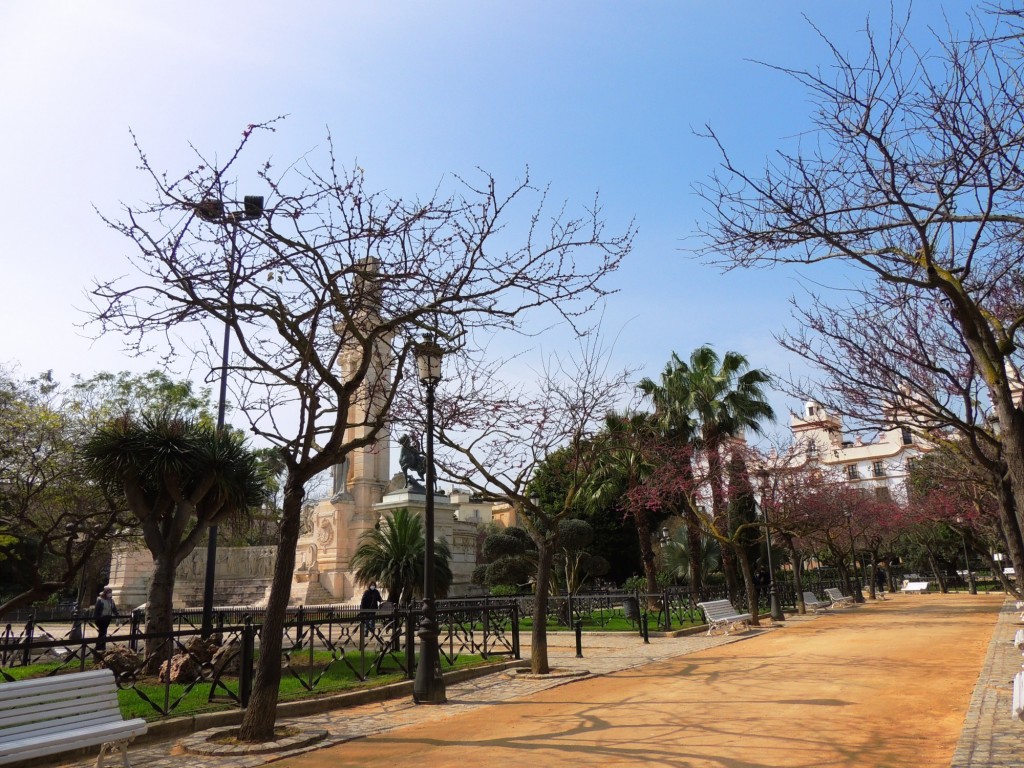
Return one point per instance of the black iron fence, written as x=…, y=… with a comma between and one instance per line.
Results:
x=325, y=648
x=669, y=609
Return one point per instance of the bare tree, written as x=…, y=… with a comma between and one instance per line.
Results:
x=495, y=434
x=323, y=287
x=913, y=177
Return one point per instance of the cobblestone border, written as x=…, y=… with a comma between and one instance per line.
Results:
x=991, y=738
x=526, y=674
x=204, y=743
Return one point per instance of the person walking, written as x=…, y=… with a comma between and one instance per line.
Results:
x=370, y=601
x=103, y=614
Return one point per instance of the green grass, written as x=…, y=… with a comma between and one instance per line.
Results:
x=613, y=622
x=338, y=678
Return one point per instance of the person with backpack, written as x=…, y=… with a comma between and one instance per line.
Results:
x=103, y=614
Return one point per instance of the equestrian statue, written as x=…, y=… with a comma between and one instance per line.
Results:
x=412, y=461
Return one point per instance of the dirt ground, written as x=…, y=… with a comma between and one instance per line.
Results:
x=885, y=685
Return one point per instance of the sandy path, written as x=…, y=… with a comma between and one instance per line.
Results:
x=886, y=685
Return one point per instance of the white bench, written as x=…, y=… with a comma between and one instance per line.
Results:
x=1018, y=696
x=839, y=600
x=1018, y=640
x=812, y=602
x=722, y=615
x=50, y=715
x=918, y=587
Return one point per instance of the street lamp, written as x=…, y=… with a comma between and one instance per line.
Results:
x=212, y=210
x=775, y=610
x=971, y=586
x=858, y=596
x=428, y=687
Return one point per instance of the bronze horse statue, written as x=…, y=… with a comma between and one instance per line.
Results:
x=412, y=461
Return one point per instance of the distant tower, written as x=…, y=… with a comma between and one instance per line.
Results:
x=332, y=533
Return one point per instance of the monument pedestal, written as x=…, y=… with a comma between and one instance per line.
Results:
x=460, y=536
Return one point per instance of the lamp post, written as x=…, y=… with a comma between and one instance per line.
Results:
x=971, y=586
x=775, y=609
x=858, y=595
x=428, y=687
x=212, y=210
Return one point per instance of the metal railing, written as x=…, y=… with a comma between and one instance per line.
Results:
x=321, y=645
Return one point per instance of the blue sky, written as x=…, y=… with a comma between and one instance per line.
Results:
x=592, y=96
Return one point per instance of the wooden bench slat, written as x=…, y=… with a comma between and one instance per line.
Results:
x=50, y=744
x=46, y=716
x=920, y=587
x=75, y=681
x=811, y=601
x=837, y=597
x=40, y=710
x=68, y=721
x=721, y=614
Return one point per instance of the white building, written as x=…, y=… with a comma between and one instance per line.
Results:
x=879, y=466
x=470, y=508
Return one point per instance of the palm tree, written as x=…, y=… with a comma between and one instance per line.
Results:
x=178, y=476
x=678, y=556
x=674, y=417
x=625, y=464
x=711, y=400
x=394, y=554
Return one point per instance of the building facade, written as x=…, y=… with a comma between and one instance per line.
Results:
x=879, y=466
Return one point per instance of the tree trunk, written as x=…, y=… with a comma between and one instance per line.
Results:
x=539, y=634
x=258, y=721
x=984, y=347
x=643, y=531
x=748, y=583
x=873, y=578
x=693, y=544
x=730, y=567
x=1011, y=532
x=721, y=521
x=798, y=577
x=159, y=618
x=933, y=563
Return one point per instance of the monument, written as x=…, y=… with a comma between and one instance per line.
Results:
x=362, y=491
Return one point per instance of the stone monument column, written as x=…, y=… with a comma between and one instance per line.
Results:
x=359, y=481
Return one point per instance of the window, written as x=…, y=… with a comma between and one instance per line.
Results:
x=852, y=473
x=908, y=437
x=882, y=494
x=878, y=469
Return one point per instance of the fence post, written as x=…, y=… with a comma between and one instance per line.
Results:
x=245, y=673
x=169, y=637
x=643, y=627
x=410, y=645
x=30, y=630
x=668, y=611
x=515, y=629
x=133, y=630
x=298, y=629
x=487, y=626
x=579, y=638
